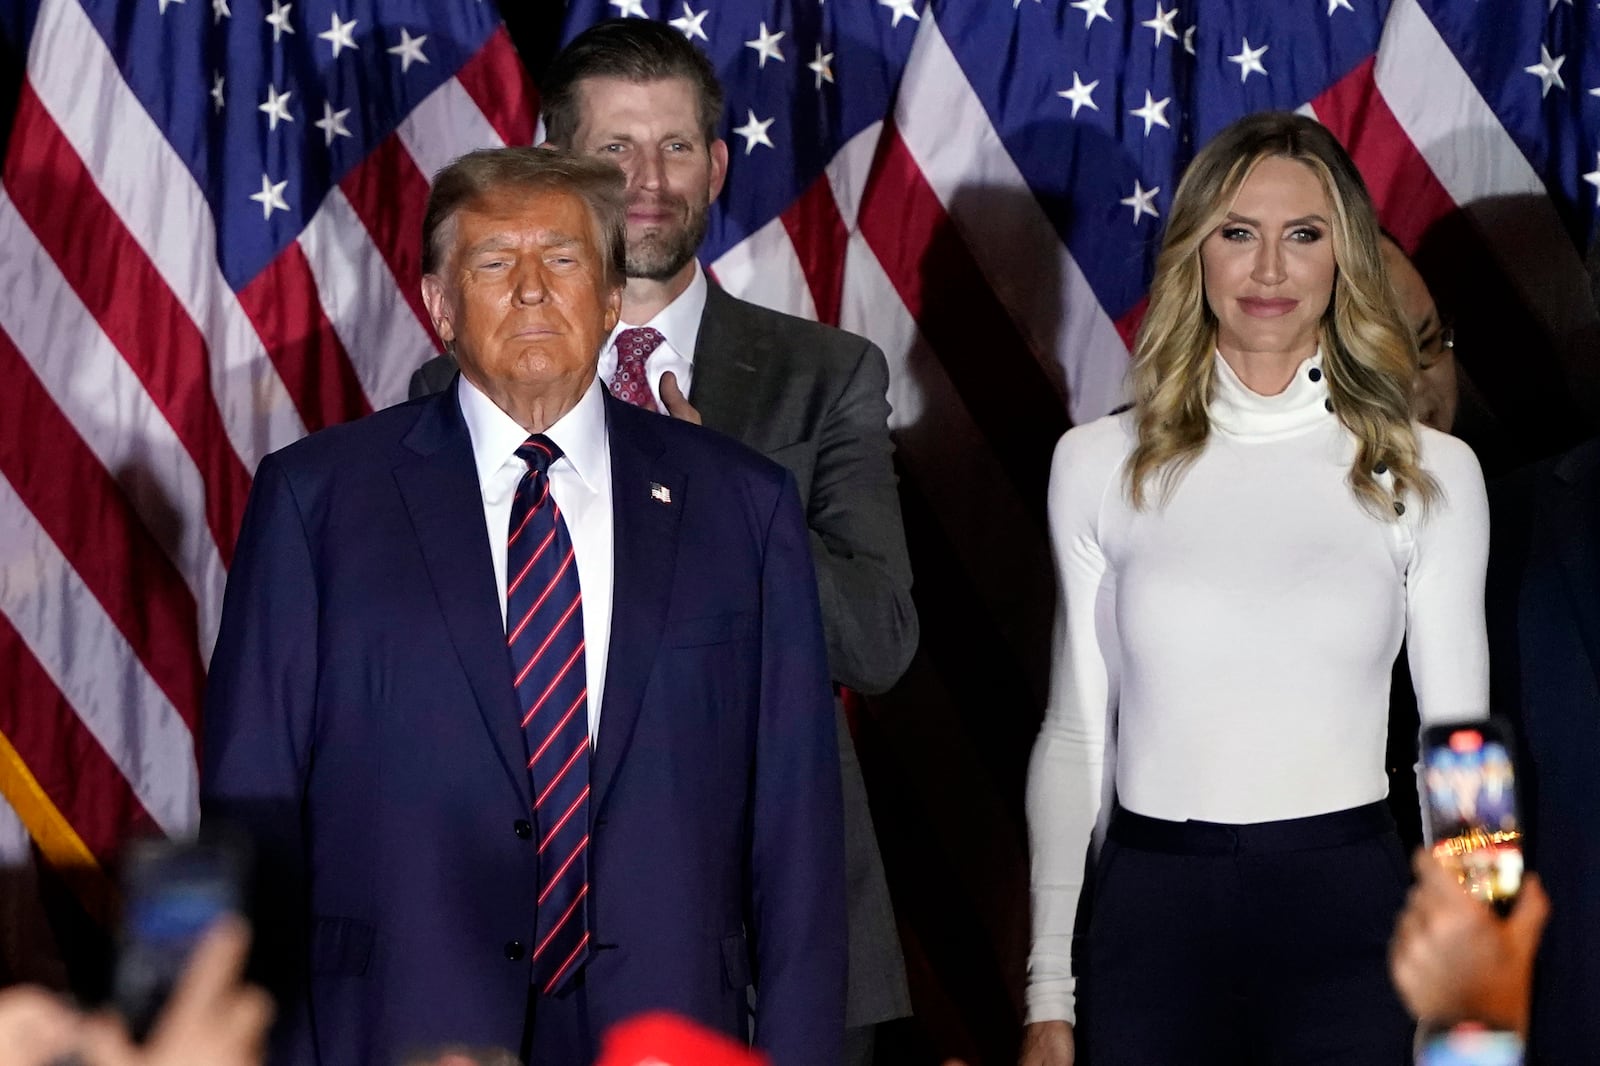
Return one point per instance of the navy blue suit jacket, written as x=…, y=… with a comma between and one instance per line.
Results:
x=1544, y=627
x=361, y=724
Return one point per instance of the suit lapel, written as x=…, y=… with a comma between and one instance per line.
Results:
x=647, y=497
x=440, y=490
x=1576, y=514
x=726, y=366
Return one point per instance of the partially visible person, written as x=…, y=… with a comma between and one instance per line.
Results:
x=1446, y=397
x=1238, y=560
x=212, y=1019
x=638, y=94
x=1453, y=959
x=1447, y=400
x=1544, y=629
x=1437, y=388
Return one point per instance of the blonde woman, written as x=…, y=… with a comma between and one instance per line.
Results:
x=1239, y=558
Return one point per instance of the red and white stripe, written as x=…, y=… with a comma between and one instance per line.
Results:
x=555, y=734
x=363, y=302
x=561, y=674
x=561, y=871
x=566, y=964
x=566, y=817
x=948, y=134
x=511, y=638
x=122, y=484
x=550, y=786
x=561, y=922
x=544, y=646
x=58, y=617
x=161, y=210
x=98, y=394
x=765, y=269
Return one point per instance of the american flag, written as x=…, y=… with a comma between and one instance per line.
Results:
x=208, y=247
x=208, y=232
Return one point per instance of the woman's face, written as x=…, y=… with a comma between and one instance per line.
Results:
x=1269, y=266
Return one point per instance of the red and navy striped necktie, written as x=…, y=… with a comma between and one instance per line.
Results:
x=544, y=632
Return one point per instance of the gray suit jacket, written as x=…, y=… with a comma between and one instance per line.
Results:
x=813, y=399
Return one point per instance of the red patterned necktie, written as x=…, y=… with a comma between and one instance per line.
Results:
x=544, y=633
x=630, y=383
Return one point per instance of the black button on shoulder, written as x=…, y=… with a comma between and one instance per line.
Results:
x=523, y=828
x=514, y=950
x=1399, y=508
x=1327, y=405
x=1314, y=374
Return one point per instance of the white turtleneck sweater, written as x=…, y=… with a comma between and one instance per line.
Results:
x=1228, y=653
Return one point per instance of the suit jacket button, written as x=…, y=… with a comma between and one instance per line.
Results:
x=514, y=950
x=523, y=828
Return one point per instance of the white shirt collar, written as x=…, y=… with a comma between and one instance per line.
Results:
x=1240, y=412
x=496, y=436
x=679, y=321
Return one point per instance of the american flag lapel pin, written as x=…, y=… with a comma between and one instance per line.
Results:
x=660, y=493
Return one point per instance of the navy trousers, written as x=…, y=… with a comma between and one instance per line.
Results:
x=1248, y=945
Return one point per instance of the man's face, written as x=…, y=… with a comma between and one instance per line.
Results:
x=1436, y=390
x=652, y=131
x=522, y=295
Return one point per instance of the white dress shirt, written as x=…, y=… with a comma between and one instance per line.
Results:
x=580, y=481
x=679, y=325
x=1225, y=656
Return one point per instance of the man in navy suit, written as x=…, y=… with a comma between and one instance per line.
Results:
x=363, y=720
x=638, y=93
x=1544, y=642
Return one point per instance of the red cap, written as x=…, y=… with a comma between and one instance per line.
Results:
x=662, y=1039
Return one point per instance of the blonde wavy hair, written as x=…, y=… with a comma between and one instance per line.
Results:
x=1369, y=355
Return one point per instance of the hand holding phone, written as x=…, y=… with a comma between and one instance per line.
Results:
x=1453, y=959
x=212, y=1018
x=173, y=893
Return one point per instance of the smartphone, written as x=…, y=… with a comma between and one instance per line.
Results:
x=173, y=891
x=1470, y=820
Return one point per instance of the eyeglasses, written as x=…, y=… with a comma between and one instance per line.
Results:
x=1433, y=346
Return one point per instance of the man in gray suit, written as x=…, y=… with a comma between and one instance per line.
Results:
x=807, y=396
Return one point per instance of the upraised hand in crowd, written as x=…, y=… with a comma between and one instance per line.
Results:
x=213, y=1018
